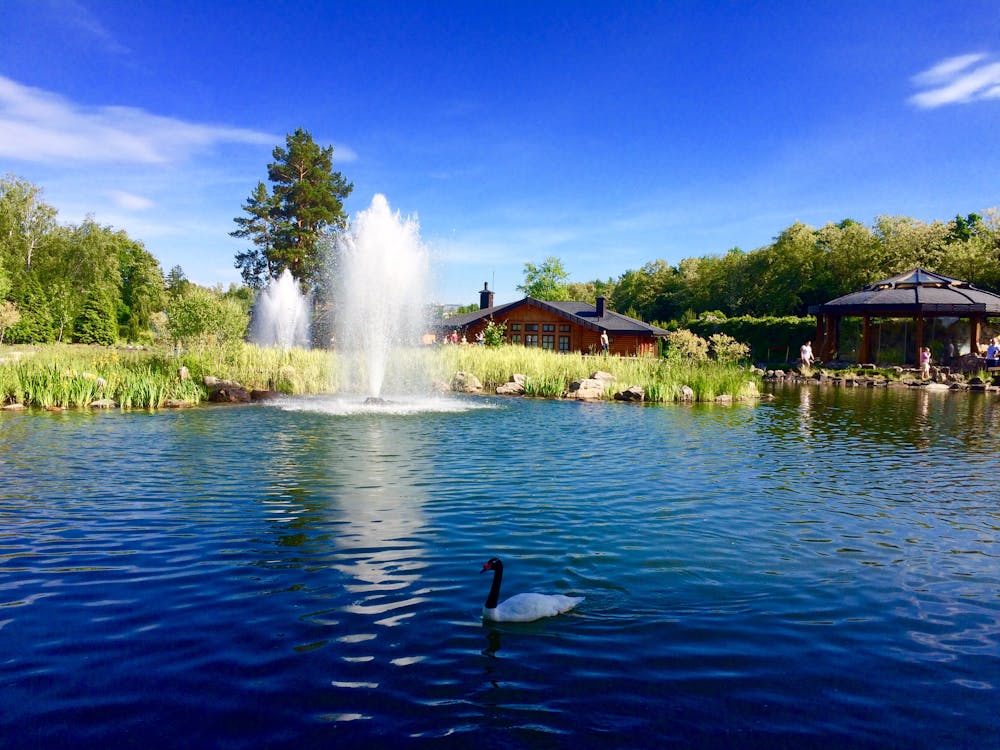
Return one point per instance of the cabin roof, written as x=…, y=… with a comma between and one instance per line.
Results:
x=581, y=313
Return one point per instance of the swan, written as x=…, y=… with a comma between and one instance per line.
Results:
x=522, y=607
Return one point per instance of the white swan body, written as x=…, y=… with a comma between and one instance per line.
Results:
x=522, y=607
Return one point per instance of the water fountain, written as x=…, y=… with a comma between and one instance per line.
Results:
x=382, y=272
x=281, y=314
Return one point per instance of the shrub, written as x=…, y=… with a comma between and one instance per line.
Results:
x=687, y=345
x=727, y=349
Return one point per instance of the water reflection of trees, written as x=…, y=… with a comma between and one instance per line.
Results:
x=840, y=417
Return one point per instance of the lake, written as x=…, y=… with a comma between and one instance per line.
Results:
x=820, y=570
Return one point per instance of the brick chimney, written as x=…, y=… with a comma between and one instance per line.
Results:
x=485, y=297
x=600, y=307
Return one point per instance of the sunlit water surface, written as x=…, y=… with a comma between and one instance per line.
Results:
x=817, y=571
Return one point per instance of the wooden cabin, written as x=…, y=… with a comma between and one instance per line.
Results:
x=558, y=326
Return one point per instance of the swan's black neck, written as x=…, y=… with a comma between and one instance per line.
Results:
x=494, y=596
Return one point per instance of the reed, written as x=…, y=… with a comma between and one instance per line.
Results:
x=75, y=376
x=549, y=374
x=294, y=370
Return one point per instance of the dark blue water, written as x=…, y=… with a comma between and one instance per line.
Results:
x=818, y=571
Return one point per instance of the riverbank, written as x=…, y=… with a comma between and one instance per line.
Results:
x=62, y=376
x=869, y=376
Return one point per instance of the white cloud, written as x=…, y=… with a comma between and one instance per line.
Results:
x=38, y=126
x=76, y=16
x=130, y=201
x=958, y=80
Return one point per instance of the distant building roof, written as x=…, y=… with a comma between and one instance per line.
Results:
x=582, y=313
x=915, y=292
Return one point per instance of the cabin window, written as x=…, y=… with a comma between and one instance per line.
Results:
x=531, y=339
x=515, y=326
x=564, y=328
x=548, y=341
x=564, y=343
x=515, y=338
x=531, y=326
x=548, y=326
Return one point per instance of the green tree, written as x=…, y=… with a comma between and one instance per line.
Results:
x=202, y=316
x=75, y=262
x=589, y=291
x=175, y=283
x=24, y=223
x=97, y=322
x=35, y=324
x=142, y=290
x=655, y=292
x=287, y=226
x=494, y=333
x=9, y=315
x=546, y=281
x=259, y=226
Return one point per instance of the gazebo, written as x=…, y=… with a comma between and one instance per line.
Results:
x=918, y=294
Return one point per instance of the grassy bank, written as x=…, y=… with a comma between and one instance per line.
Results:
x=76, y=376
x=549, y=374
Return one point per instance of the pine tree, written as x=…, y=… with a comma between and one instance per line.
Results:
x=288, y=224
x=97, y=323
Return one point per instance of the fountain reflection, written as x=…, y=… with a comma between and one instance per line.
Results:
x=379, y=549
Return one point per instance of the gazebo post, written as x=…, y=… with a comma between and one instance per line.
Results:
x=975, y=331
x=920, y=339
x=827, y=335
x=865, y=350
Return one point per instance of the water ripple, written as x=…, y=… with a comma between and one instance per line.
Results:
x=818, y=570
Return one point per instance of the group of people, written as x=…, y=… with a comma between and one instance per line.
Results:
x=806, y=356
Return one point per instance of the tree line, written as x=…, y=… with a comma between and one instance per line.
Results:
x=89, y=283
x=93, y=284
x=801, y=267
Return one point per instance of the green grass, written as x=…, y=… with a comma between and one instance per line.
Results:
x=65, y=376
x=549, y=374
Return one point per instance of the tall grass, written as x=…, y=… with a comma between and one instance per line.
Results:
x=550, y=374
x=75, y=376
x=289, y=370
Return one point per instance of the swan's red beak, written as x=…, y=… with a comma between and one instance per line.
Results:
x=486, y=566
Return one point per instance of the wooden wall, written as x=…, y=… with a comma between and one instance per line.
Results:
x=521, y=319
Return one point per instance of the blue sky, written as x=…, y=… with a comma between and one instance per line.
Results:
x=606, y=134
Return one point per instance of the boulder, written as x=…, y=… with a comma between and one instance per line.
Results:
x=264, y=395
x=183, y=373
x=13, y=407
x=632, y=393
x=176, y=403
x=210, y=381
x=607, y=377
x=586, y=389
x=466, y=382
x=687, y=393
x=103, y=403
x=230, y=393
x=513, y=388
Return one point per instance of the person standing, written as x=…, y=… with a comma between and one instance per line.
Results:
x=993, y=353
x=604, y=342
x=806, y=354
x=925, y=362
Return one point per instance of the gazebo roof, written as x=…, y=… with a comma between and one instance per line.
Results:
x=915, y=292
